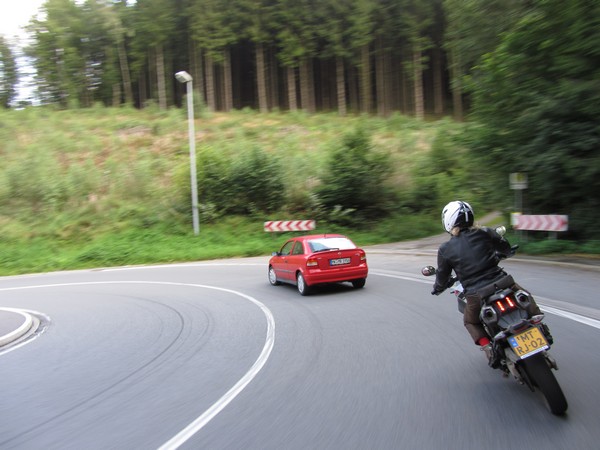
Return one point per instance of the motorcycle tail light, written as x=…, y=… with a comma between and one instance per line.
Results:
x=505, y=304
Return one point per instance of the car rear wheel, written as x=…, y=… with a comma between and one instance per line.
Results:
x=360, y=283
x=301, y=285
x=273, y=277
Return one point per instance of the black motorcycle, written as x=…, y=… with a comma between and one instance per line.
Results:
x=520, y=343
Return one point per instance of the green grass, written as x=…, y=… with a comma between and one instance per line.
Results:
x=103, y=187
x=232, y=237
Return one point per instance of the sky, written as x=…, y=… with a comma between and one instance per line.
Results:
x=14, y=14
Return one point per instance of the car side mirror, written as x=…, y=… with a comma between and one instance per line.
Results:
x=275, y=254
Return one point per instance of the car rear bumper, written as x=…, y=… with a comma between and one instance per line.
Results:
x=318, y=276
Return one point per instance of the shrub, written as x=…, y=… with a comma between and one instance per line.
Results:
x=256, y=183
x=355, y=176
x=252, y=182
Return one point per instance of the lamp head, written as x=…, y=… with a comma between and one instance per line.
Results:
x=183, y=77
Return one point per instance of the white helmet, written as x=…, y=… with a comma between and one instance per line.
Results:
x=457, y=214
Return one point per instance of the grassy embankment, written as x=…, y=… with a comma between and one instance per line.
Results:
x=103, y=187
x=107, y=187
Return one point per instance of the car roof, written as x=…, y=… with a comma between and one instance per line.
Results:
x=319, y=236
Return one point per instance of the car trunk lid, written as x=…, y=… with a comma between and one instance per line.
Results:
x=337, y=259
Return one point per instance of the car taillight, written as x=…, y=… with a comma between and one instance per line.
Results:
x=363, y=257
x=312, y=263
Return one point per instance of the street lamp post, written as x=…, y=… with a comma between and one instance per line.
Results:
x=186, y=78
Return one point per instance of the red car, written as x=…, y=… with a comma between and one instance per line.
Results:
x=306, y=261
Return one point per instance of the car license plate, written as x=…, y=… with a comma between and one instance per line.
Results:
x=528, y=342
x=339, y=262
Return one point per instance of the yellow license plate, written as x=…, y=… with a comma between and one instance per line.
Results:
x=528, y=342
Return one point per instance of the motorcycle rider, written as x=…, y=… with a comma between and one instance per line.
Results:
x=472, y=252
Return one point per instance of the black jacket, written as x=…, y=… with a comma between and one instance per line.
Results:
x=473, y=257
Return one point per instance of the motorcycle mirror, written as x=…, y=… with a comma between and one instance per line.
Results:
x=501, y=230
x=428, y=271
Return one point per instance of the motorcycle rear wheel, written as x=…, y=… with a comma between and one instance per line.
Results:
x=541, y=375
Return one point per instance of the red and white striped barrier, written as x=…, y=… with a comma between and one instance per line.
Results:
x=289, y=225
x=541, y=222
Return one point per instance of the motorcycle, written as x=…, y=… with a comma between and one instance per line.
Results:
x=520, y=343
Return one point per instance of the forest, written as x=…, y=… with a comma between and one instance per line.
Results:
x=522, y=77
x=362, y=56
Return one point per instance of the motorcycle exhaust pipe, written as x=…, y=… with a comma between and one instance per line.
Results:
x=488, y=315
x=523, y=299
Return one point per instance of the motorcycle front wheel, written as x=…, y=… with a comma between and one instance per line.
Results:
x=541, y=375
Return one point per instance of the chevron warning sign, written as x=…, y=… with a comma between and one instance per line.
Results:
x=541, y=222
x=289, y=225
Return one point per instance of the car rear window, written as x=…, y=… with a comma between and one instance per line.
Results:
x=324, y=244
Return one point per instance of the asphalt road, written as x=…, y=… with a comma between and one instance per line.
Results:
x=210, y=356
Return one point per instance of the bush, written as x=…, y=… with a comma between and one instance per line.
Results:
x=256, y=183
x=355, y=176
x=252, y=182
x=548, y=247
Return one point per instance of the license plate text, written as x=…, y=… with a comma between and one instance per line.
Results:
x=339, y=262
x=528, y=342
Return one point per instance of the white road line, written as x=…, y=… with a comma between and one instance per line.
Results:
x=569, y=315
x=20, y=331
x=549, y=309
x=185, y=434
x=168, y=266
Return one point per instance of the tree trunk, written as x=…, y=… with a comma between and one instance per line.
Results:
x=438, y=94
x=228, y=86
x=210, y=84
x=418, y=83
x=116, y=97
x=197, y=72
x=404, y=89
x=388, y=82
x=305, y=102
x=142, y=89
x=380, y=79
x=322, y=93
x=291, y=88
x=273, y=80
x=365, y=79
x=263, y=106
x=125, y=74
x=152, y=94
x=457, y=104
x=353, y=95
x=340, y=86
x=311, y=86
x=160, y=78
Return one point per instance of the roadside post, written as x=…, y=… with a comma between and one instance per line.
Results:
x=518, y=183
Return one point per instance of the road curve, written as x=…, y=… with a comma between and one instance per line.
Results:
x=134, y=357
